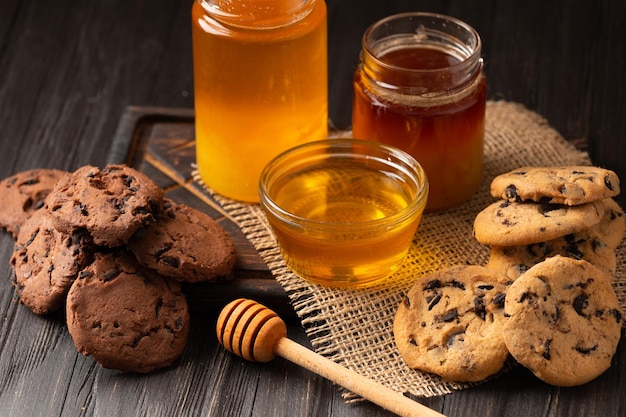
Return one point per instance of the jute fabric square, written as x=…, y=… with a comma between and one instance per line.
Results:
x=354, y=327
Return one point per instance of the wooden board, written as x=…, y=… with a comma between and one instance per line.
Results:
x=161, y=143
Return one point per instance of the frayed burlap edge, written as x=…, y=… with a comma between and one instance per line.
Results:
x=354, y=327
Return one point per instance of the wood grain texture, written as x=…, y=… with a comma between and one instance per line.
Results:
x=68, y=71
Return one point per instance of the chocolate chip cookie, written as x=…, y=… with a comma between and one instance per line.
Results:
x=449, y=323
x=513, y=261
x=125, y=316
x=504, y=223
x=185, y=244
x=111, y=204
x=24, y=193
x=612, y=226
x=562, y=321
x=570, y=185
x=46, y=262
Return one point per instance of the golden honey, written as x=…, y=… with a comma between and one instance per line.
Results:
x=344, y=217
x=424, y=92
x=260, y=84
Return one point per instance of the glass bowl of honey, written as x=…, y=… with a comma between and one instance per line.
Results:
x=343, y=211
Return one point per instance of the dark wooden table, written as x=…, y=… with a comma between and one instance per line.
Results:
x=68, y=71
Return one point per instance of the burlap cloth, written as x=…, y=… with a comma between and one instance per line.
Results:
x=354, y=327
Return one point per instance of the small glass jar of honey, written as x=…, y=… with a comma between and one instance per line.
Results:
x=420, y=87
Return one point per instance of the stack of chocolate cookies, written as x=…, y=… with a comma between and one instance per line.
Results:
x=545, y=297
x=543, y=212
x=108, y=249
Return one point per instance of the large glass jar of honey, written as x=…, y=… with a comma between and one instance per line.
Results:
x=420, y=87
x=260, y=85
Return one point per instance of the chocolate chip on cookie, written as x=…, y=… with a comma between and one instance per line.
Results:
x=125, y=316
x=24, y=193
x=185, y=244
x=563, y=321
x=449, y=323
x=570, y=185
x=46, y=262
x=111, y=204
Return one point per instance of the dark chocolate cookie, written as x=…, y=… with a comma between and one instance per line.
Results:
x=449, y=323
x=563, y=321
x=46, y=262
x=24, y=193
x=125, y=316
x=185, y=244
x=111, y=204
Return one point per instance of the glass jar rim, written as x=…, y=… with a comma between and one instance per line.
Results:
x=473, y=56
x=249, y=21
x=393, y=157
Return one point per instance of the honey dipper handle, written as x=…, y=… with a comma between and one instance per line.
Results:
x=354, y=382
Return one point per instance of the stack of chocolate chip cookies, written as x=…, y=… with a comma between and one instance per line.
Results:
x=546, y=294
x=543, y=212
x=107, y=248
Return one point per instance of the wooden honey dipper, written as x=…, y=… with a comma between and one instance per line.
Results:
x=256, y=333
